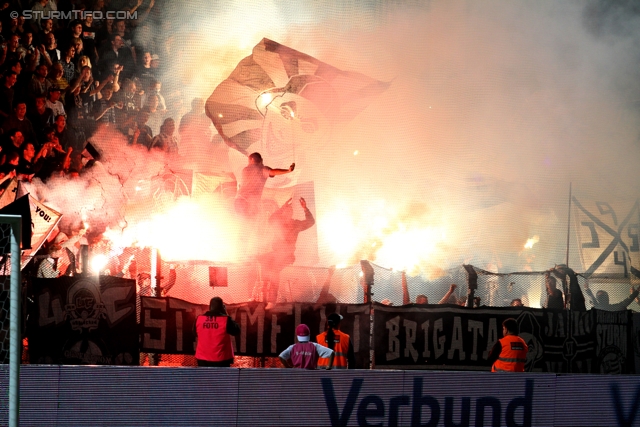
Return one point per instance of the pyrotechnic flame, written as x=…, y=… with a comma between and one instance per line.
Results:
x=98, y=262
x=532, y=241
x=186, y=230
x=391, y=240
x=406, y=249
x=264, y=100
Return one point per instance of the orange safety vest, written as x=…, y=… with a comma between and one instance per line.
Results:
x=214, y=344
x=513, y=355
x=340, y=348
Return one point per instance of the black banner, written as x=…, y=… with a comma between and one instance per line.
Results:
x=421, y=337
x=83, y=321
x=614, y=342
x=452, y=337
x=167, y=326
x=635, y=334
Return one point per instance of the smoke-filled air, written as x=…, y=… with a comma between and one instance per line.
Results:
x=484, y=114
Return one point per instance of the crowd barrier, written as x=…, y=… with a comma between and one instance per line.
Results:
x=72, y=396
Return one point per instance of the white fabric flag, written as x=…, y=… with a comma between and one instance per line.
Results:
x=608, y=237
x=44, y=220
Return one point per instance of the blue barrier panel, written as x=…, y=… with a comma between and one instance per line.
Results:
x=149, y=396
x=597, y=400
x=478, y=398
x=312, y=398
x=73, y=396
x=39, y=396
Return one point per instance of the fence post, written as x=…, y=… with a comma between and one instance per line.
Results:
x=14, y=322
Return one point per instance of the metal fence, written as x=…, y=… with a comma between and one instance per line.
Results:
x=199, y=281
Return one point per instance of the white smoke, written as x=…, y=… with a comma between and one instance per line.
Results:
x=494, y=109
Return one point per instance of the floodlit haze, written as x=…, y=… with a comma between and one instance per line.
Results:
x=493, y=109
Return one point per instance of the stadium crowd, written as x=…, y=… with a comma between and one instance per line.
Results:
x=67, y=68
x=62, y=79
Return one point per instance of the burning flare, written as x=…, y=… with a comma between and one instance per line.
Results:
x=532, y=241
x=400, y=240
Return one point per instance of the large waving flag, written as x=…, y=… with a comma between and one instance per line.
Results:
x=278, y=96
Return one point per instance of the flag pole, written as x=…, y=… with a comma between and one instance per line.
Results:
x=568, y=226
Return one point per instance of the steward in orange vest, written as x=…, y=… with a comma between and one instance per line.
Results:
x=339, y=342
x=213, y=335
x=510, y=352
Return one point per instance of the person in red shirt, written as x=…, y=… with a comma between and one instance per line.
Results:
x=510, y=352
x=214, y=330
